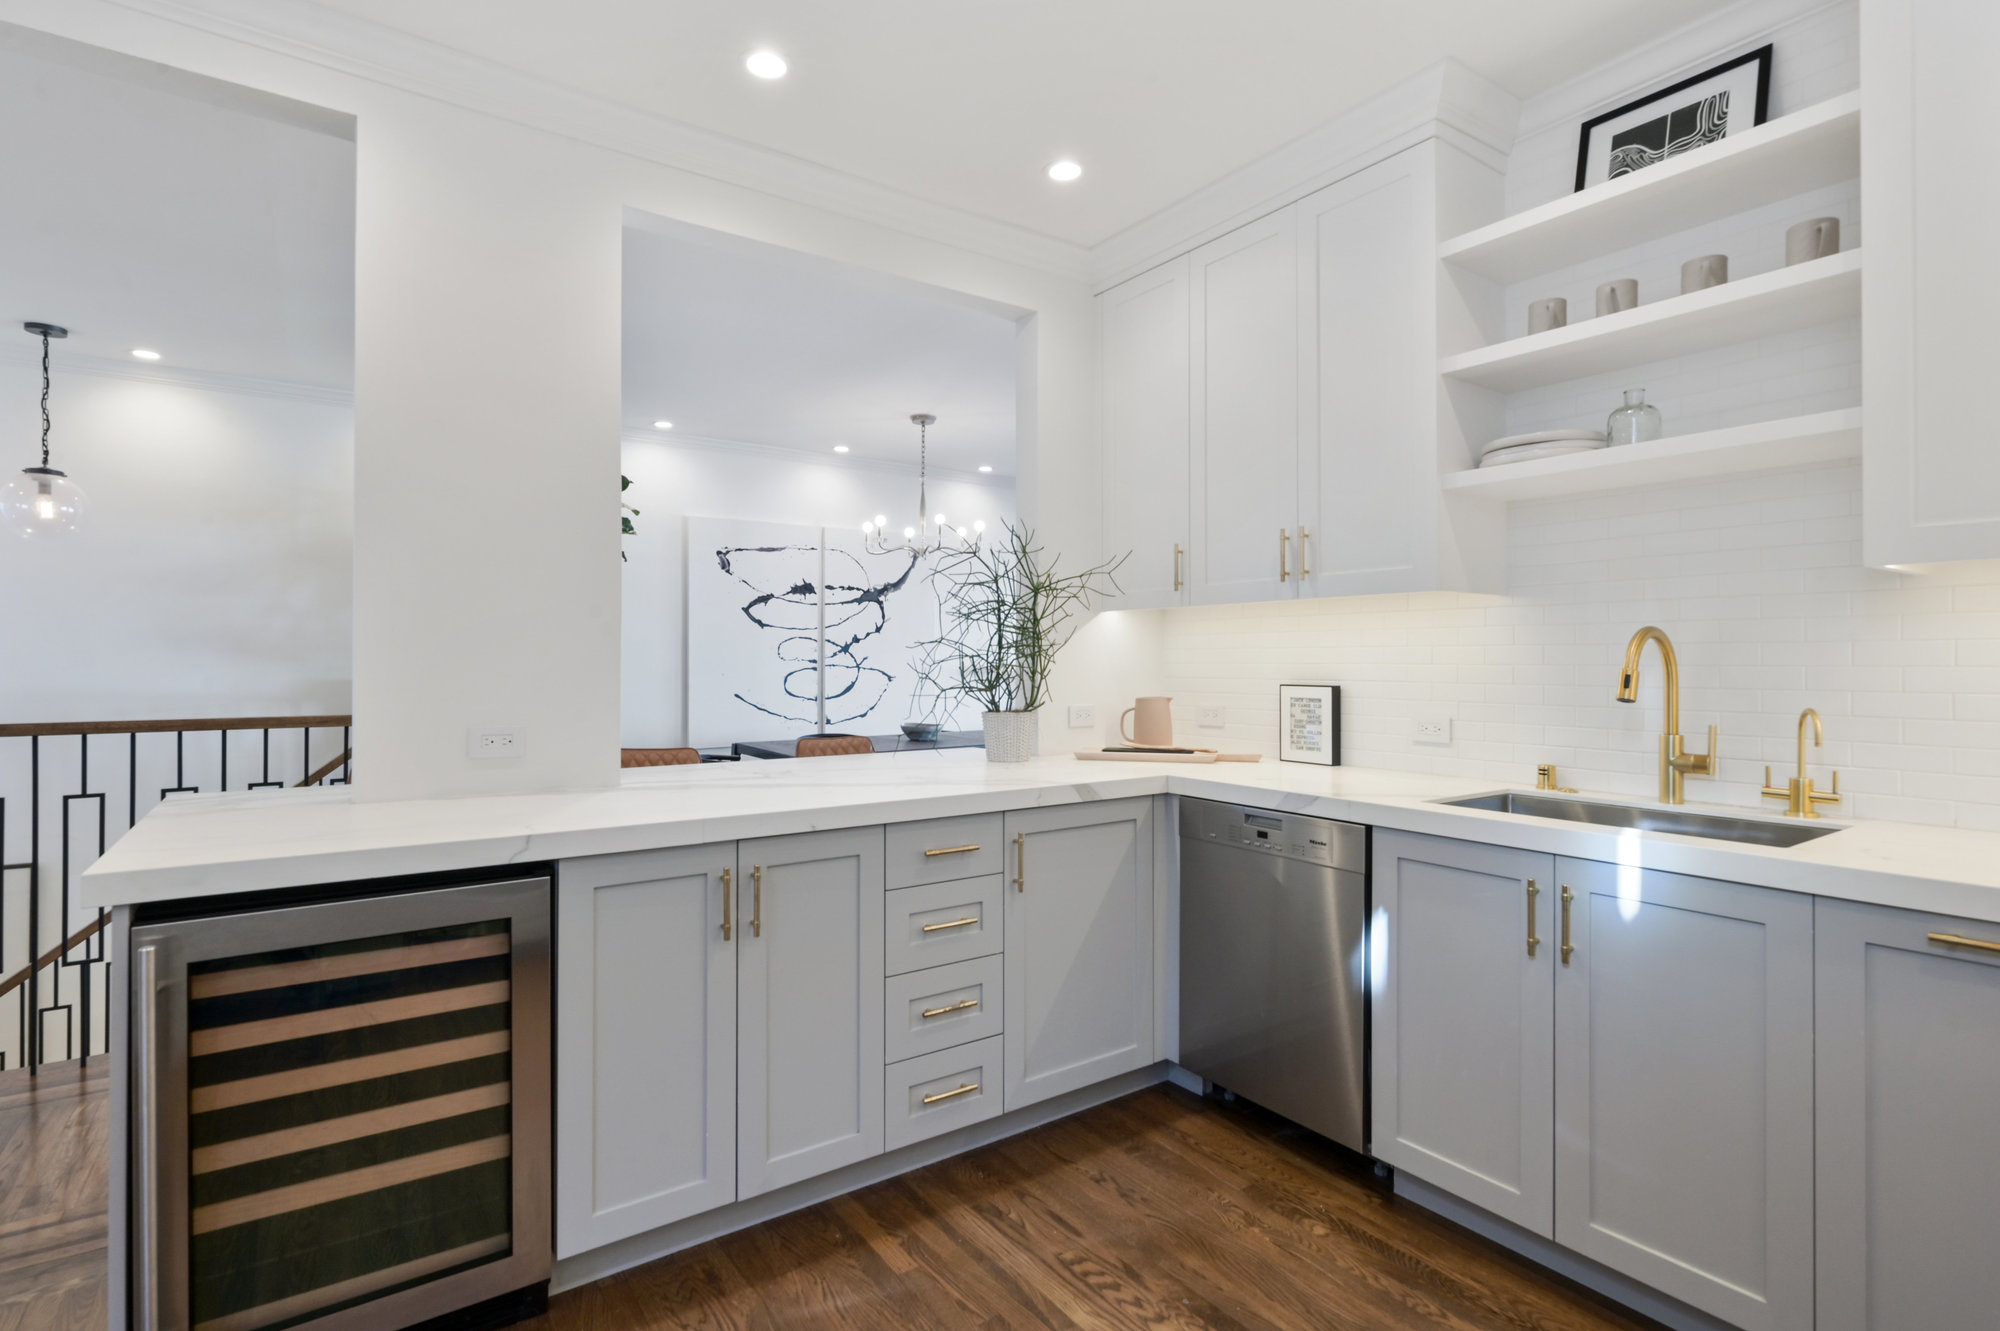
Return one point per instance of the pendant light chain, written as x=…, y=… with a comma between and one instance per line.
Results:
x=45, y=399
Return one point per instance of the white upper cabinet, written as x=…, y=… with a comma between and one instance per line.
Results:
x=1684, y=1088
x=1931, y=290
x=1369, y=472
x=1244, y=419
x=1908, y=1063
x=1143, y=327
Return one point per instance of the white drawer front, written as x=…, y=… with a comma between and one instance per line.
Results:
x=941, y=1007
x=942, y=923
x=961, y=1085
x=943, y=848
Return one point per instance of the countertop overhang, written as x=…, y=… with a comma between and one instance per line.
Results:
x=197, y=846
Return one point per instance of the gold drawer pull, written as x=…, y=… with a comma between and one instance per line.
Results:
x=728, y=891
x=959, y=1006
x=1955, y=940
x=950, y=850
x=951, y=924
x=1567, y=947
x=1533, y=892
x=966, y=1089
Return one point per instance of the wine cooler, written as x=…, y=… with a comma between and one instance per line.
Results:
x=336, y=1115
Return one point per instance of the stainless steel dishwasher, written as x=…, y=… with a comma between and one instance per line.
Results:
x=1273, y=962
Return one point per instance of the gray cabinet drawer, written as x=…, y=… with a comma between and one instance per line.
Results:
x=941, y=923
x=962, y=1086
x=943, y=848
x=941, y=1007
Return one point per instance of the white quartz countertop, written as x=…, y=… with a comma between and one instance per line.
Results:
x=211, y=845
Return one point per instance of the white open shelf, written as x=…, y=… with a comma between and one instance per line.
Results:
x=1806, y=150
x=1775, y=302
x=1797, y=441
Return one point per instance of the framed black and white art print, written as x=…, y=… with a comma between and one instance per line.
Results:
x=1707, y=108
x=1309, y=724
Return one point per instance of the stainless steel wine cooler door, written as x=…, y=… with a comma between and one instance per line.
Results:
x=340, y=1112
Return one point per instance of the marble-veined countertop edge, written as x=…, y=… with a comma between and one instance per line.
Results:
x=214, y=845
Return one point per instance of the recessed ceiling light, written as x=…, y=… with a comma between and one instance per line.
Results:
x=663, y=425
x=143, y=354
x=766, y=64
x=840, y=448
x=986, y=469
x=1064, y=171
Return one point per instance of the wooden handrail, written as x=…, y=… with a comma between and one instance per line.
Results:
x=47, y=728
x=20, y=977
x=315, y=778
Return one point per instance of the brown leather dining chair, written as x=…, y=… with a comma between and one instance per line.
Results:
x=657, y=757
x=825, y=746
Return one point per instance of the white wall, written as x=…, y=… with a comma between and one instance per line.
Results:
x=1759, y=582
x=214, y=577
x=487, y=387
x=674, y=480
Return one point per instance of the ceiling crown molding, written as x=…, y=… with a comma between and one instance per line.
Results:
x=312, y=33
x=213, y=381
x=779, y=452
x=1445, y=101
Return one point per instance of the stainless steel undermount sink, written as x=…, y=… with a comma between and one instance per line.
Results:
x=1751, y=831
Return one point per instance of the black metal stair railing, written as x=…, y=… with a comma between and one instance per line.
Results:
x=61, y=807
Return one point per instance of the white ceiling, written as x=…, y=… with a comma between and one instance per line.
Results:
x=748, y=343
x=150, y=208
x=967, y=104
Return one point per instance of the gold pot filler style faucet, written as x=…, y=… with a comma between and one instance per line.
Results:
x=1799, y=794
x=1675, y=763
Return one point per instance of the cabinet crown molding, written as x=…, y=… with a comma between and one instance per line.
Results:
x=1446, y=101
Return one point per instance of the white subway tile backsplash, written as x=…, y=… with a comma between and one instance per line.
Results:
x=1905, y=668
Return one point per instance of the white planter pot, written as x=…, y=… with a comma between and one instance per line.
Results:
x=1011, y=737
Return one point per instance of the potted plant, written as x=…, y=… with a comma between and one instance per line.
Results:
x=1004, y=615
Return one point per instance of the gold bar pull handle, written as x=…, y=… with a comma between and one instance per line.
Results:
x=1567, y=947
x=757, y=900
x=1533, y=892
x=1020, y=861
x=966, y=1089
x=728, y=891
x=1959, y=940
x=964, y=1004
x=949, y=850
x=1304, y=571
x=1284, y=554
x=959, y=923
x=1177, y=566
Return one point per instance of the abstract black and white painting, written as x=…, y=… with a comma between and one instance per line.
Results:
x=791, y=627
x=1693, y=113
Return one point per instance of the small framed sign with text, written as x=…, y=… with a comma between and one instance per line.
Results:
x=1309, y=723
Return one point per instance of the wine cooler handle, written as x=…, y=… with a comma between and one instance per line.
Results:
x=146, y=1142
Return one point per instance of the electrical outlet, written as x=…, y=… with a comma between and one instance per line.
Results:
x=1082, y=716
x=1213, y=718
x=1431, y=730
x=494, y=742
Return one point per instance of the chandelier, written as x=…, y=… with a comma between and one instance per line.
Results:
x=932, y=533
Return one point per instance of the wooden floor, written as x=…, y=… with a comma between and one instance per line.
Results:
x=1159, y=1210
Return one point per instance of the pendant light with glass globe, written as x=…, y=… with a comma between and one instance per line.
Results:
x=42, y=503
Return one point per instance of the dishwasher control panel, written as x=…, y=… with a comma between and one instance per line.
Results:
x=1289, y=835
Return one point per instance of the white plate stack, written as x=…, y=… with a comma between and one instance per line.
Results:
x=1539, y=444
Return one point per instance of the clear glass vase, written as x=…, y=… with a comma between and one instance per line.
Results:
x=1635, y=422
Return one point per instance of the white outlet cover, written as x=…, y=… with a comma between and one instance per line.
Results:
x=1430, y=730
x=1213, y=718
x=495, y=742
x=1082, y=716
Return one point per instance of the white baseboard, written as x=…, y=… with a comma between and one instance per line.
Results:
x=598, y=1263
x=1639, y=1298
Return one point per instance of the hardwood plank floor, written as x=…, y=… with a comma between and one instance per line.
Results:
x=1159, y=1210
x=53, y=1154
